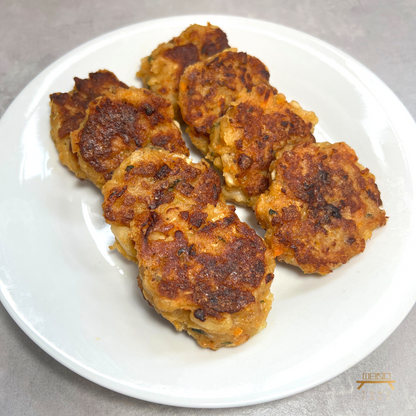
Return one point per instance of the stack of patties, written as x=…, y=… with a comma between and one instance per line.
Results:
x=199, y=265
x=68, y=111
x=317, y=204
x=163, y=68
x=102, y=121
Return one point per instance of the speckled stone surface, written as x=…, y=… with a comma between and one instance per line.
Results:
x=380, y=34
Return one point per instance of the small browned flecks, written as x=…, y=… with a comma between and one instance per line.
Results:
x=197, y=218
x=269, y=277
x=200, y=314
x=185, y=188
x=184, y=215
x=117, y=193
x=244, y=161
x=162, y=172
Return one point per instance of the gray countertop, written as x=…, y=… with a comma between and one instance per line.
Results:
x=380, y=34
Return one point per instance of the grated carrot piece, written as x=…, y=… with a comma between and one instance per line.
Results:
x=277, y=251
x=238, y=332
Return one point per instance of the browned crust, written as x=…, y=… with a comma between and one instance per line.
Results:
x=194, y=44
x=208, y=88
x=119, y=123
x=321, y=206
x=254, y=128
x=150, y=178
x=68, y=111
x=212, y=265
x=183, y=56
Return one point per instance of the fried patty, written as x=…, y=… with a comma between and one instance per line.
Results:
x=208, y=88
x=244, y=141
x=161, y=71
x=149, y=178
x=119, y=123
x=204, y=270
x=321, y=207
x=68, y=111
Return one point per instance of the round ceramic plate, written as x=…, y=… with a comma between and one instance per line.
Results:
x=80, y=302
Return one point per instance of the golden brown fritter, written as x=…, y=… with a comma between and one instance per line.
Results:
x=161, y=71
x=68, y=111
x=208, y=88
x=150, y=178
x=212, y=281
x=119, y=123
x=200, y=266
x=321, y=207
x=244, y=141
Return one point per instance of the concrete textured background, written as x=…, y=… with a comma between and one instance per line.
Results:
x=380, y=34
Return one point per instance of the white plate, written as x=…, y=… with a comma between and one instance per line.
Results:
x=80, y=302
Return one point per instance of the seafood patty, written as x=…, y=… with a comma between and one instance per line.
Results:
x=321, y=207
x=161, y=71
x=244, y=141
x=68, y=111
x=208, y=88
x=150, y=178
x=119, y=123
x=204, y=270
